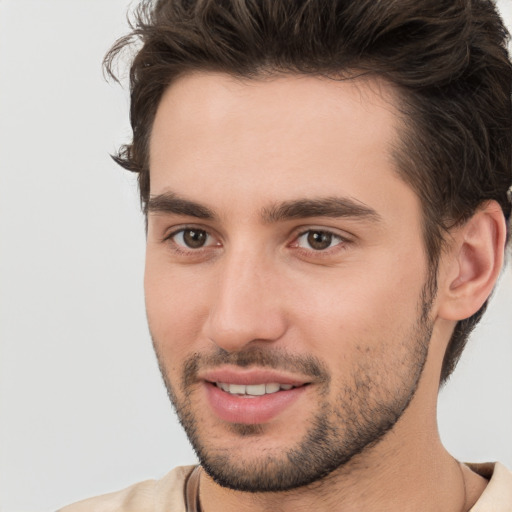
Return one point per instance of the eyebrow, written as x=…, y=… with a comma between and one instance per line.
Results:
x=171, y=203
x=334, y=207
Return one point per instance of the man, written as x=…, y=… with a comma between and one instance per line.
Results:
x=327, y=188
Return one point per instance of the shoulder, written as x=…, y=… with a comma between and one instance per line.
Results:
x=161, y=495
x=497, y=496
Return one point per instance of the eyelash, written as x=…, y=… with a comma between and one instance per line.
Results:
x=340, y=245
x=181, y=249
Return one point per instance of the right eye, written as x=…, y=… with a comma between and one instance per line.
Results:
x=192, y=238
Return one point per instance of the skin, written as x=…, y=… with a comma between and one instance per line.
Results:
x=236, y=149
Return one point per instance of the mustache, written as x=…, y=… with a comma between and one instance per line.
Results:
x=276, y=359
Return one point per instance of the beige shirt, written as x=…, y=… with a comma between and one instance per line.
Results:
x=167, y=494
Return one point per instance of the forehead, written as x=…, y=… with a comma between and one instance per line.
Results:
x=275, y=139
x=207, y=106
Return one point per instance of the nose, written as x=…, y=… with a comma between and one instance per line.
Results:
x=247, y=306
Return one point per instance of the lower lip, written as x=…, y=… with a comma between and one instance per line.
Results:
x=249, y=411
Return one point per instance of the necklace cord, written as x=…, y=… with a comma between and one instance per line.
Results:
x=192, y=491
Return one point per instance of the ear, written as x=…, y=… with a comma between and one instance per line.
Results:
x=473, y=263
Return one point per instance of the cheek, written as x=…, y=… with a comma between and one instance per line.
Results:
x=356, y=311
x=176, y=307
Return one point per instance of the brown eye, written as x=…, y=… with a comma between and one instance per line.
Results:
x=194, y=238
x=318, y=240
x=191, y=238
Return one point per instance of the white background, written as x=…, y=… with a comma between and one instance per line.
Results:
x=83, y=410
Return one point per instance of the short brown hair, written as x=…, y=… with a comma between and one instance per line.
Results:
x=448, y=60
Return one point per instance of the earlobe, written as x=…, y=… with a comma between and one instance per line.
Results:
x=474, y=263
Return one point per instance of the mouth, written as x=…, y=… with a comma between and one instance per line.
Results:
x=253, y=390
x=253, y=395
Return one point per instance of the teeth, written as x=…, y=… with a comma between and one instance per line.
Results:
x=253, y=389
x=237, y=389
x=272, y=388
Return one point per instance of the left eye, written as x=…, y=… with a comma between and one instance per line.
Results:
x=318, y=240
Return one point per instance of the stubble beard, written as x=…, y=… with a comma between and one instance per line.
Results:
x=366, y=409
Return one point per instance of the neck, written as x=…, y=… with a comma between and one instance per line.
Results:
x=408, y=470
x=405, y=481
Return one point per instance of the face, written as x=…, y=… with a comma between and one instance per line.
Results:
x=285, y=273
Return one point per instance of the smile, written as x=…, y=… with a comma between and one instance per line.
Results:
x=253, y=402
x=251, y=390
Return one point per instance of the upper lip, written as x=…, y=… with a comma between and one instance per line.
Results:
x=250, y=376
